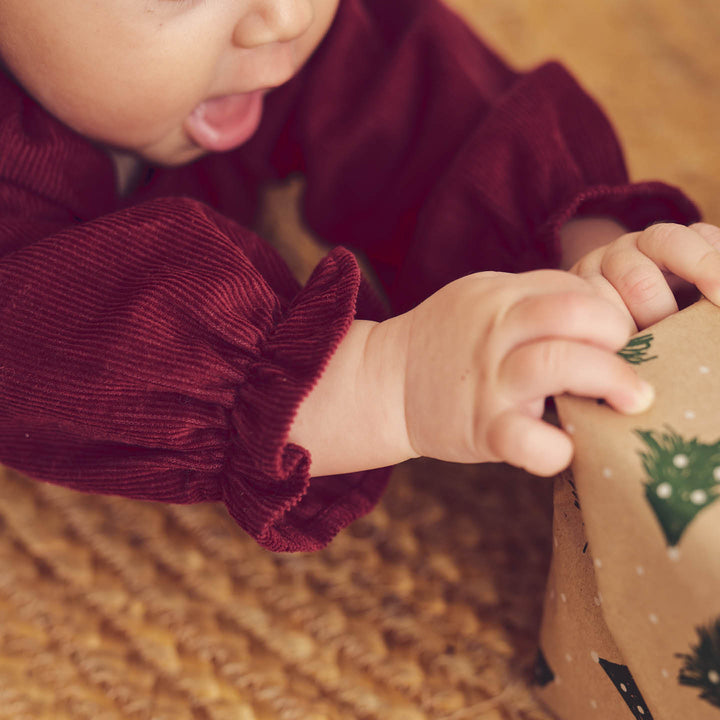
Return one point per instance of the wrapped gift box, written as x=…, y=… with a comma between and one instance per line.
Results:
x=631, y=625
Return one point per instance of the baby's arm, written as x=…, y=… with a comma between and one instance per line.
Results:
x=463, y=376
x=582, y=235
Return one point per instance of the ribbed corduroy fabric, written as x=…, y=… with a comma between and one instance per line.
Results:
x=155, y=347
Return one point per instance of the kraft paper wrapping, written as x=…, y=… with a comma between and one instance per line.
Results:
x=631, y=626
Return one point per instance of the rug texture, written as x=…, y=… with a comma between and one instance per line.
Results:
x=427, y=609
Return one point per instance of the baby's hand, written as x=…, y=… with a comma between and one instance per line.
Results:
x=640, y=270
x=483, y=353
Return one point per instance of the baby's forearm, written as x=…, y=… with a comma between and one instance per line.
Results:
x=354, y=418
x=463, y=376
x=581, y=235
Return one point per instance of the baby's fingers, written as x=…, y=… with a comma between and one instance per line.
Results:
x=635, y=266
x=529, y=443
x=554, y=367
x=638, y=281
x=688, y=252
x=711, y=233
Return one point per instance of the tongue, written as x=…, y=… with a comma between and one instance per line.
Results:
x=226, y=122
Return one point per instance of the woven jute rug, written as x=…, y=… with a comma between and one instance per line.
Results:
x=428, y=608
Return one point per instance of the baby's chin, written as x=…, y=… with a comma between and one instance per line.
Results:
x=129, y=162
x=181, y=150
x=164, y=154
x=177, y=159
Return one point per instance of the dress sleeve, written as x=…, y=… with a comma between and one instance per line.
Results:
x=427, y=152
x=159, y=351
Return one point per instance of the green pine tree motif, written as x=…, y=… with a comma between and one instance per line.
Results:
x=684, y=478
x=636, y=351
x=701, y=667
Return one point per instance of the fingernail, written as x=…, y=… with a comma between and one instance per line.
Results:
x=644, y=397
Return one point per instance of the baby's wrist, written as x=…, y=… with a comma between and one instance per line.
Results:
x=579, y=236
x=385, y=364
x=354, y=417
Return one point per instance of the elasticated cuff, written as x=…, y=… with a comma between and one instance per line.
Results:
x=268, y=489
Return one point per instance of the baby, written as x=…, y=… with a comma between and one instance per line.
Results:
x=154, y=346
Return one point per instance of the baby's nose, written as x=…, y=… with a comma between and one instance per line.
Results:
x=271, y=21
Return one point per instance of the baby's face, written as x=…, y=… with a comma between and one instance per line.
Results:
x=138, y=74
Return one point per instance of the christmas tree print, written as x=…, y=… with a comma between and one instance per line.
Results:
x=701, y=668
x=684, y=478
x=625, y=684
x=637, y=349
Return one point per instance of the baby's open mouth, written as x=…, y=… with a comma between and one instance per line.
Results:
x=225, y=122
